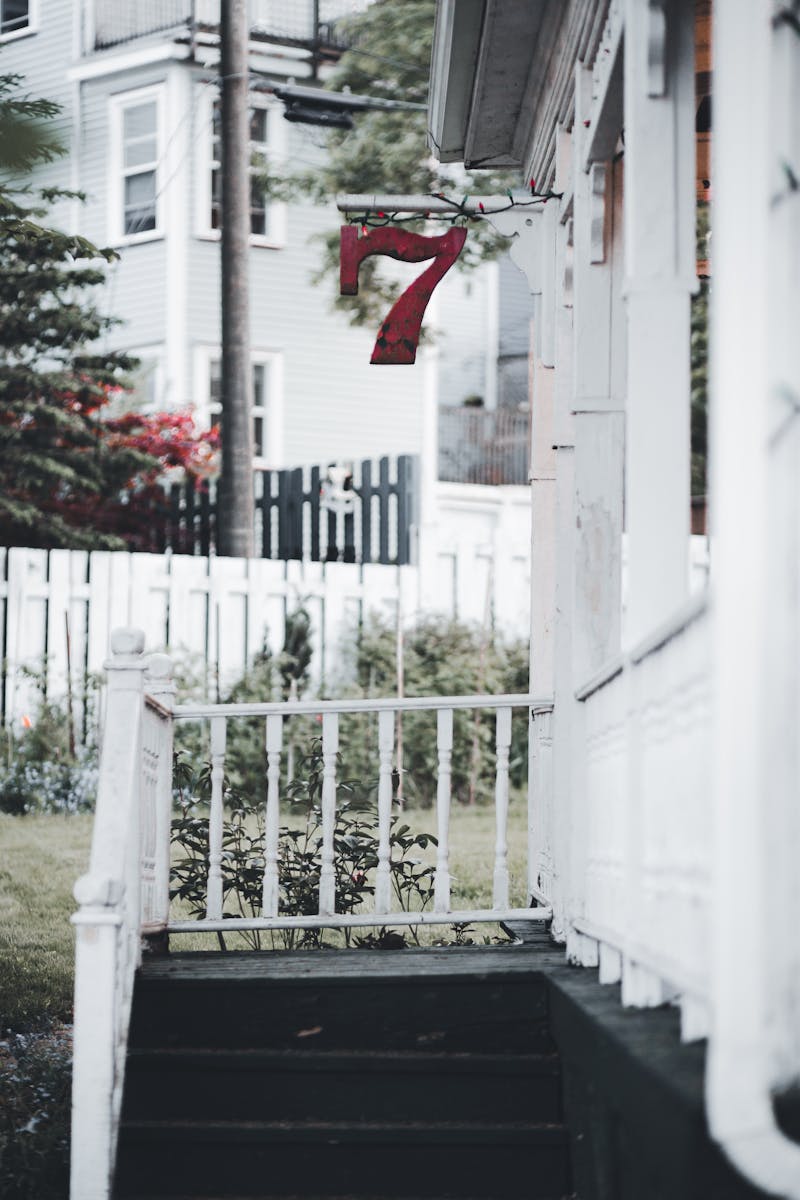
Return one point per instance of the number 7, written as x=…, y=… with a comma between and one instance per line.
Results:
x=399, y=334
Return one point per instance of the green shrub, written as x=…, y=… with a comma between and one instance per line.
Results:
x=442, y=657
x=42, y=769
x=355, y=851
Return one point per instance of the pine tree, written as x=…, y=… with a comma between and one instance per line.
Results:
x=56, y=458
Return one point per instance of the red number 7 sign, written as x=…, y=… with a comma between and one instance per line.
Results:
x=399, y=334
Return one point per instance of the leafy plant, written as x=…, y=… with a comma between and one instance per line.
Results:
x=442, y=657
x=73, y=473
x=42, y=769
x=355, y=851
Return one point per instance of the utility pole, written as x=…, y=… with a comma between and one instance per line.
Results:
x=235, y=515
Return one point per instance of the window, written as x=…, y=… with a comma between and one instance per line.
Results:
x=267, y=217
x=147, y=391
x=15, y=17
x=259, y=146
x=265, y=427
x=134, y=193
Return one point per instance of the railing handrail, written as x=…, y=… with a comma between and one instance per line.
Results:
x=107, y=926
x=289, y=708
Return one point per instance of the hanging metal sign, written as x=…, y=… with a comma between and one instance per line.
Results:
x=398, y=336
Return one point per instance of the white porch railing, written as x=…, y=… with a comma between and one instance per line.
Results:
x=125, y=887
x=386, y=712
x=641, y=899
x=124, y=897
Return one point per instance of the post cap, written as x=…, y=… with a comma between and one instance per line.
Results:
x=127, y=641
x=159, y=667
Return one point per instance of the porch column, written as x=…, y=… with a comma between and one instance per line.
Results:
x=557, y=315
x=598, y=407
x=660, y=278
x=754, y=1047
x=598, y=400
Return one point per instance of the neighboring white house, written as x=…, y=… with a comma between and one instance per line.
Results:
x=138, y=85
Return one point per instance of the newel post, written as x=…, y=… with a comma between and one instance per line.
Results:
x=105, y=951
x=158, y=730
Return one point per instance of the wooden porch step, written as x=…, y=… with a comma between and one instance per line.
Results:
x=402, y=999
x=352, y=1085
x=334, y=1158
x=407, y=1074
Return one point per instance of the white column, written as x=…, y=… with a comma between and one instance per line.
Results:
x=660, y=278
x=755, y=448
x=556, y=312
x=597, y=402
x=596, y=537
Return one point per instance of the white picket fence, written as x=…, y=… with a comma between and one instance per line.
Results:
x=57, y=608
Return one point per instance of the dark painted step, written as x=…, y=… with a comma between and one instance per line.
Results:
x=351, y=1085
x=224, y=1004
x=313, y=1159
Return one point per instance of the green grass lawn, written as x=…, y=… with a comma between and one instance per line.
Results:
x=44, y=855
x=41, y=858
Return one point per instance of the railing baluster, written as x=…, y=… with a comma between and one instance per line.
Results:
x=214, y=896
x=383, y=878
x=269, y=894
x=327, y=875
x=503, y=742
x=444, y=744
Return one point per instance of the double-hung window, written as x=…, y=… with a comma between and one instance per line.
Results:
x=16, y=17
x=267, y=218
x=266, y=409
x=136, y=151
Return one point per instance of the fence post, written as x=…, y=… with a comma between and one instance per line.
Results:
x=106, y=926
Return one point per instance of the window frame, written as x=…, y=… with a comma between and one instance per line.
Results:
x=275, y=238
x=26, y=30
x=272, y=414
x=118, y=105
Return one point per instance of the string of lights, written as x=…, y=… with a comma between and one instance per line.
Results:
x=459, y=211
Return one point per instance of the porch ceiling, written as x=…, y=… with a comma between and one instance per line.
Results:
x=487, y=67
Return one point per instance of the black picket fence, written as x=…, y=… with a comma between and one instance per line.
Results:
x=365, y=514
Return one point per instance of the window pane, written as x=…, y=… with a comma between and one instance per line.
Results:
x=259, y=393
x=215, y=382
x=258, y=125
x=258, y=437
x=141, y=151
x=13, y=15
x=140, y=202
x=139, y=120
x=216, y=198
